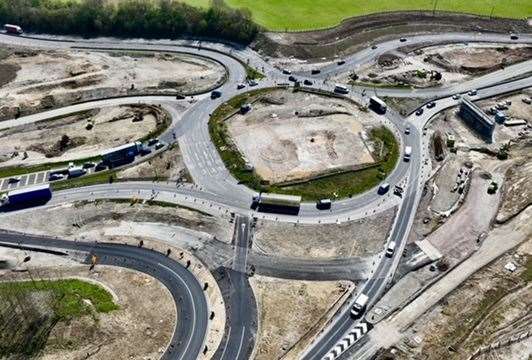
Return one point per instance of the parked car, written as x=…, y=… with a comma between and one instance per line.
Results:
x=89, y=165
x=308, y=82
x=315, y=71
x=514, y=37
x=323, y=204
x=145, y=151
x=340, y=62
x=240, y=86
x=55, y=176
x=292, y=78
x=14, y=179
x=159, y=145
x=287, y=72
x=152, y=142
x=100, y=167
x=252, y=82
x=402, y=39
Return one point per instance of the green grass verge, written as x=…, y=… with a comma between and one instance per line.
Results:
x=86, y=180
x=253, y=74
x=69, y=294
x=282, y=15
x=333, y=186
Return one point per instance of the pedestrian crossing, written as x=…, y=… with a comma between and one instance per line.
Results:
x=358, y=331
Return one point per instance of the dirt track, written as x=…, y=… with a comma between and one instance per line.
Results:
x=358, y=32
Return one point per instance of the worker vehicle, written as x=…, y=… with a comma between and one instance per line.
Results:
x=341, y=89
x=383, y=188
x=359, y=306
x=30, y=196
x=324, y=204
x=377, y=105
x=278, y=203
x=13, y=29
x=390, y=249
x=408, y=153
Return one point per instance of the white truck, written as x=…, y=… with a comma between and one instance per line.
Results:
x=408, y=153
x=360, y=305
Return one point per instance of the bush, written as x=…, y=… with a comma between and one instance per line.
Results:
x=130, y=18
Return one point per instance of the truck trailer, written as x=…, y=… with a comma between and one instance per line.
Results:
x=278, y=203
x=27, y=197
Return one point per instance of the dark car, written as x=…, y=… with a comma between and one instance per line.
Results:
x=308, y=82
x=88, y=165
x=292, y=78
x=315, y=71
x=287, y=72
x=152, y=142
x=100, y=167
x=419, y=112
x=340, y=62
x=323, y=204
x=215, y=94
x=402, y=39
x=373, y=47
x=514, y=37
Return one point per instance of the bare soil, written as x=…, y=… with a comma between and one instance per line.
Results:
x=168, y=165
x=88, y=220
x=490, y=306
x=148, y=322
x=360, y=32
x=298, y=135
x=362, y=237
x=303, y=303
x=47, y=79
x=88, y=134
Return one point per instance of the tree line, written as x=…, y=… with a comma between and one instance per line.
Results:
x=130, y=18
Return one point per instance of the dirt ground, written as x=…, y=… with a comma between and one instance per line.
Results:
x=303, y=303
x=360, y=32
x=517, y=193
x=518, y=109
x=89, y=133
x=45, y=79
x=168, y=165
x=445, y=184
x=449, y=122
x=454, y=62
x=148, y=323
x=490, y=306
x=300, y=135
x=89, y=220
x=362, y=237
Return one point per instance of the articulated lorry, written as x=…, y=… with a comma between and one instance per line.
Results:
x=27, y=197
x=278, y=203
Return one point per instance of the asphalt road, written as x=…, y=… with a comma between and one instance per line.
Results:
x=191, y=305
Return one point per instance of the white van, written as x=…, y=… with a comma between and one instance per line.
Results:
x=390, y=249
x=360, y=305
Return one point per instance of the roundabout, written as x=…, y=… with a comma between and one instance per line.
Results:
x=307, y=141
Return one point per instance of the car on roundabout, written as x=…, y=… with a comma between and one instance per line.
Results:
x=419, y=112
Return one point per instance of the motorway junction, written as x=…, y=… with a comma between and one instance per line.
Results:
x=228, y=204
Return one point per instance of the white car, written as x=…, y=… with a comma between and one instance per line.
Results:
x=456, y=96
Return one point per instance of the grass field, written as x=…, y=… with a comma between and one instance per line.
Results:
x=281, y=15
